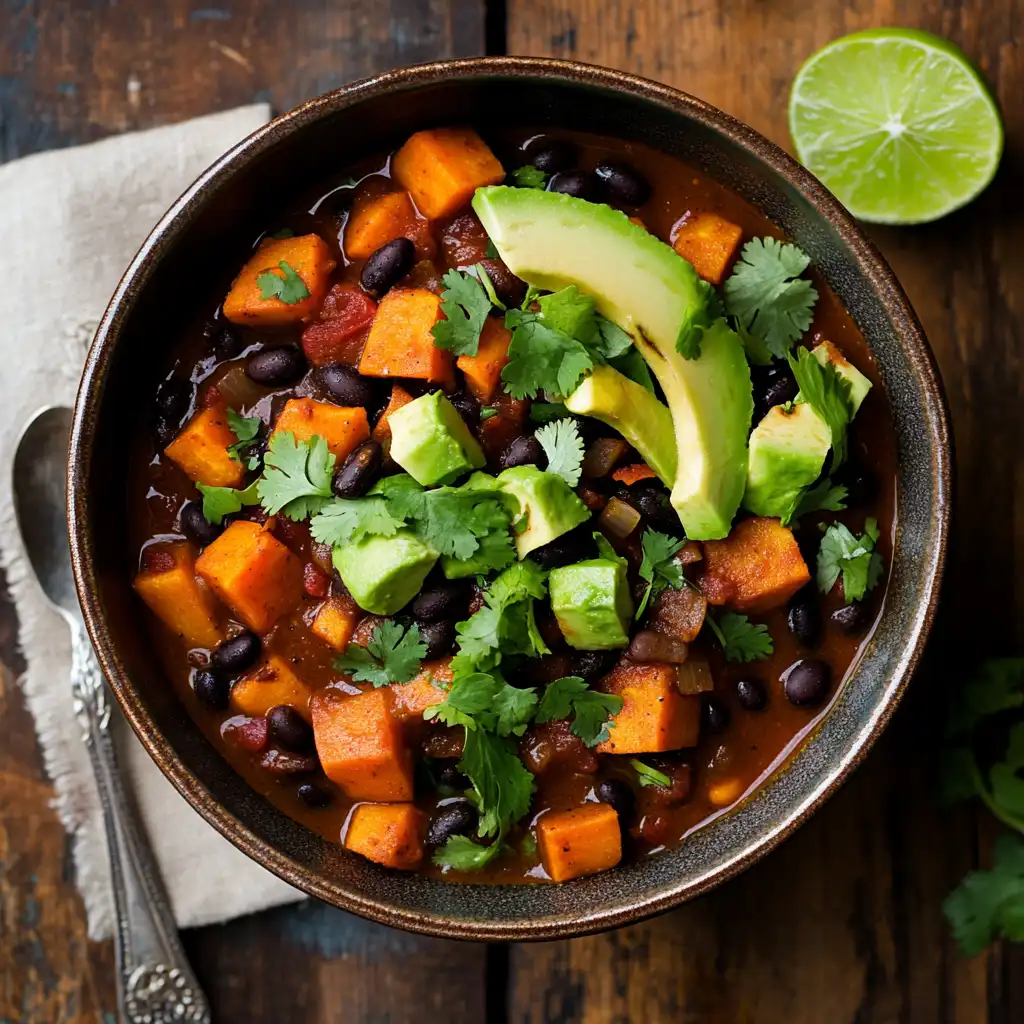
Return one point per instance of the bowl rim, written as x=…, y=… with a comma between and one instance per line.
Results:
x=872, y=266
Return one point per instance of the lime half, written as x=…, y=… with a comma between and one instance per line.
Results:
x=897, y=123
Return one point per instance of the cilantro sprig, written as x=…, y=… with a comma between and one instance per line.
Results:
x=466, y=306
x=659, y=567
x=484, y=700
x=529, y=176
x=296, y=479
x=393, y=654
x=282, y=283
x=855, y=558
x=822, y=497
x=591, y=711
x=246, y=430
x=563, y=446
x=739, y=638
x=827, y=392
x=219, y=502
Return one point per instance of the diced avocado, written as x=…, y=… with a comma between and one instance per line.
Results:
x=634, y=412
x=826, y=352
x=592, y=603
x=552, y=240
x=787, y=452
x=431, y=442
x=547, y=506
x=383, y=574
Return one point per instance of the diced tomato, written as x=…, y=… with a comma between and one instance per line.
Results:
x=464, y=241
x=314, y=581
x=248, y=734
x=500, y=430
x=338, y=336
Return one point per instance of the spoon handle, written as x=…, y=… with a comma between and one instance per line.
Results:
x=155, y=982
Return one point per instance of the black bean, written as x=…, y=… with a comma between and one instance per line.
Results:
x=232, y=657
x=349, y=387
x=804, y=617
x=164, y=431
x=551, y=155
x=276, y=366
x=451, y=820
x=623, y=183
x=359, y=472
x=806, y=682
x=509, y=288
x=439, y=638
x=227, y=344
x=387, y=266
x=289, y=730
x=620, y=796
x=173, y=398
x=654, y=505
x=196, y=526
x=752, y=694
x=573, y=546
x=592, y=664
x=314, y=795
x=860, y=483
x=714, y=713
x=212, y=690
x=773, y=385
x=448, y=600
x=852, y=618
x=467, y=407
x=576, y=183
x=452, y=778
x=525, y=450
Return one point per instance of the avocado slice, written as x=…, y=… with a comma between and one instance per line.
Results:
x=826, y=352
x=431, y=441
x=383, y=574
x=592, y=603
x=787, y=452
x=634, y=412
x=547, y=506
x=552, y=240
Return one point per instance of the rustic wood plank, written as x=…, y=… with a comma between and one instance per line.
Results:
x=843, y=923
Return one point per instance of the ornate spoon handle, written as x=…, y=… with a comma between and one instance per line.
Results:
x=155, y=982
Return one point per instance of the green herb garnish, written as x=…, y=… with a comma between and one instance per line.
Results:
x=393, y=654
x=648, y=776
x=296, y=479
x=739, y=638
x=590, y=710
x=466, y=306
x=854, y=557
x=563, y=446
x=659, y=567
x=219, y=502
x=286, y=285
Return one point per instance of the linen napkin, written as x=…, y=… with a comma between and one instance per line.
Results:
x=70, y=222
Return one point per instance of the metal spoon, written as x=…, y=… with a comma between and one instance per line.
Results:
x=155, y=982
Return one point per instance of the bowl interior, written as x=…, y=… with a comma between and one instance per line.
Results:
x=213, y=226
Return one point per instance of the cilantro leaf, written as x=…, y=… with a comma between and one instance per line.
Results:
x=827, y=392
x=591, y=710
x=392, y=655
x=486, y=412
x=282, y=283
x=480, y=273
x=541, y=358
x=219, y=502
x=853, y=557
x=741, y=639
x=529, y=176
x=469, y=696
x=466, y=306
x=659, y=566
x=822, y=497
x=612, y=341
x=767, y=295
x=460, y=853
x=563, y=446
x=296, y=479
x=246, y=429
x=502, y=785
x=346, y=519
x=648, y=776
x=633, y=365
x=570, y=311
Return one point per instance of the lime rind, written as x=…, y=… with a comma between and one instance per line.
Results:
x=897, y=124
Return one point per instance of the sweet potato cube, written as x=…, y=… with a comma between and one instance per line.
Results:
x=679, y=613
x=201, y=450
x=268, y=685
x=382, y=429
x=756, y=568
x=360, y=745
x=389, y=834
x=483, y=371
x=709, y=243
x=411, y=699
x=633, y=473
x=253, y=573
x=400, y=343
x=307, y=255
x=579, y=842
x=335, y=622
x=169, y=586
x=655, y=716
x=341, y=427
x=375, y=221
x=443, y=167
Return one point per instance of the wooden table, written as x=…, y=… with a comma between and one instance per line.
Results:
x=842, y=925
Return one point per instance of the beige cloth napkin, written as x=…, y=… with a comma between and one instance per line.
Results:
x=70, y=222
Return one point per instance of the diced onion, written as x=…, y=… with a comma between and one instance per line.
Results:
x=619, y=518
x=694, y=677
x=650, y=645
x=603, y=456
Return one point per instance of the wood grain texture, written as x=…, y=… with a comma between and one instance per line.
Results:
x=843, y=924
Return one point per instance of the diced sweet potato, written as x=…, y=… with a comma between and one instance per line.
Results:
x=268, y=685
x=389, y=834
x=756, y=568
x=341, y=427
x=201, y=450
x=169, y=586
x=708, y=242
x=410, y=700
x=579, y=842
x=376, y=220
x=253, y=573
x=360, y=745
x=443, y=167
x=400, y=343
x=679, y=613
x=335, y=622
x=307, y=255
x=339, y=333
x=634, y=473
x=382, y=428
x=655, y=716
x=483, y=371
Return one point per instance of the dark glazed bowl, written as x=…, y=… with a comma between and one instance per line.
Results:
x=216, y=220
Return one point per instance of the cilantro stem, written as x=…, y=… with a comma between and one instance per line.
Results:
x=1017, y=824
x=717, y=630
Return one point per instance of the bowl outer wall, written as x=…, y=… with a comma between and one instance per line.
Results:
x=225, y=204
